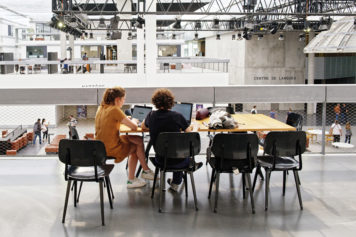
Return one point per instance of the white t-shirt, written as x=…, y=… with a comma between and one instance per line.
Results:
x=253, y=111
x=336, y=128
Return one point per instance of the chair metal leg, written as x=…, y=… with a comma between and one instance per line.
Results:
x=154, y=182
x=260, y=173
x=211, y=182
x=102, y=202
x=284, y=182
x=69, y=182
x=127, y=163
x=161, y=190
x=80, y=190
x=255, y=178
x=216, y=191
x=248, y=177
x=296, y=178
x=109, y=192
x=194, y=192
x=75, y=194
x=138, y=171
x=185, y=184
x=268, y=176
x=243, y=186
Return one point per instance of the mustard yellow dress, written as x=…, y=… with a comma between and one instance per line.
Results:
x=107, y=121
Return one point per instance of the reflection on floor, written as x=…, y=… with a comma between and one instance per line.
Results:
x=32, y=198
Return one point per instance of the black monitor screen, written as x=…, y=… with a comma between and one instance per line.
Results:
x=185, y=109
x=140, y=112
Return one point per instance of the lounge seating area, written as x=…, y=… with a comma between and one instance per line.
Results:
x=52, y=148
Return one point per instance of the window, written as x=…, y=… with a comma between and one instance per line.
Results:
x=36, y=51
x=9, y=30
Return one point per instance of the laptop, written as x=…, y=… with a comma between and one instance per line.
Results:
x=140, y=112
x=185, y=109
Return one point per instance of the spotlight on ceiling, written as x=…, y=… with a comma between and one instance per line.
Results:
x=197, y=25
x=129, y=36
x=259, y=37
x=233, y=37
x=91, y=36
x=273, y=28
x=306, y=27
x=323, y=24
x=177, y=24
x=174, y=36
x=196, y=36
x=86, y=34
x=239, y=36
x=288, y=26
x=217, y=36
x=216, y=24
x=108, y=34
x=102, y=23
x=281, y=37
x=139, y=22
x=60, y=24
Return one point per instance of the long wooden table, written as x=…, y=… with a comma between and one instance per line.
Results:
x=248, y=122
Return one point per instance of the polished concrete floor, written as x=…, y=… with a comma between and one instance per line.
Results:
x=32, y=197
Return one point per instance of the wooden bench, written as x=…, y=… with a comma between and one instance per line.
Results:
x=53, y=147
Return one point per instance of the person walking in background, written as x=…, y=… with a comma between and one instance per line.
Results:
x=337, y=111
x=343, y=114
x=336, y=131
x=44, y=129
x=37, y=131
x=273, y=114
x=348, y=132
x=72, y=121
x=254, y=110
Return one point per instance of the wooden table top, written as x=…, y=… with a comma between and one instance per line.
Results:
x=249, y=122
x=246, y=122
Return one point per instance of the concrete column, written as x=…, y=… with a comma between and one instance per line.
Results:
x=140, y=52
x=124, y=46
x=63, y=45
x=71, y=44
x=311, y=66
x=151, y=42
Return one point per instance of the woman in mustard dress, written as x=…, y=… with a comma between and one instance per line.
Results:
x=108, y=119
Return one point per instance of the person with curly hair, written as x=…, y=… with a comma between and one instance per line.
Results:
x=165, y=120
x=108, y=119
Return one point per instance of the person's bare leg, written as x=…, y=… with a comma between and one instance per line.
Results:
x=132, y=163
x=140, y=151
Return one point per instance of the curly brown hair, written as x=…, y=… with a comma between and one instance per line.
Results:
x=163, y=99
x=111, y=94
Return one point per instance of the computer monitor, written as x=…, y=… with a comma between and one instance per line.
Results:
x=140, y=112
x=185, y=109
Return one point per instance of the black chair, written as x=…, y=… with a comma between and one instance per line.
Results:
x=85, y=162
x=295, y=120
x=172, y=146
x=280, y=149
x=233, y=151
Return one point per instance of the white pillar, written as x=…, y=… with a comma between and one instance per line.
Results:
x=124, y=46
x=63, y=44
x=140, y=52
x=151, y=42
x=71, y=44
x=311, y=66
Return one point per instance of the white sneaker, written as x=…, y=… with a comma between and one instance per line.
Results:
x=148, y=174
x=136, y=183
x=173, y=187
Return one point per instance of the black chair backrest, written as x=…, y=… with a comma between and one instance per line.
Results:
x=74, y=133
x=177, y=145
x=295, y=120
x=286, y=143
x=82, y=152
x=235, y=146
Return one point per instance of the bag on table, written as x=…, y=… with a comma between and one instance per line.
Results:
x=221, y=119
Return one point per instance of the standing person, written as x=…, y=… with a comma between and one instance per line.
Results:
x=254, y=110
x=165, y=120
x=72, y=121
x=37, y=131
x=108, y=119
x=336, y=131
x=273, y=114
x=348, y=132
x=343, y=113
x=84, y=57
x=44, y=129
x=337, y=111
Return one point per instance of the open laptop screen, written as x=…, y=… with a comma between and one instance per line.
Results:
x=140, y=112
x=185, y=109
